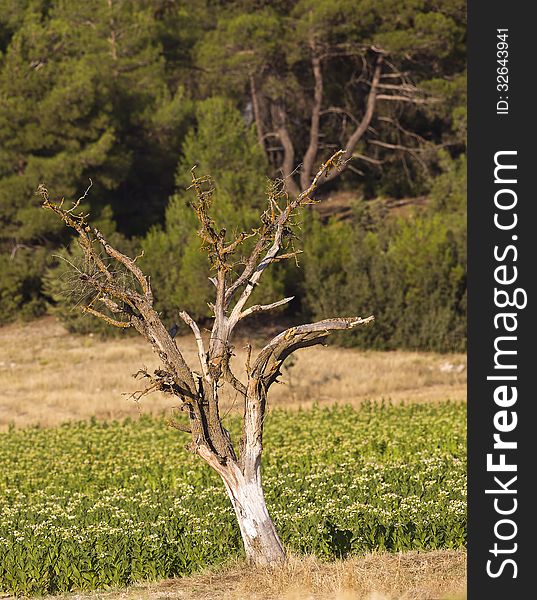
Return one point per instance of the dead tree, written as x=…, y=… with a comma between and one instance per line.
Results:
x=117, y=283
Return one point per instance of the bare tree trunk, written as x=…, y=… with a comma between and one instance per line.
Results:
x=288, y=163
x=257, y=113
x=311, y=152
x=360, y=130
x=112, y=40
x=261, y=542
x=242, y=480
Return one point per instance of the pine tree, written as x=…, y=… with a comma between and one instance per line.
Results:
x=323, y=74
x=83, y=94
x=224, y=145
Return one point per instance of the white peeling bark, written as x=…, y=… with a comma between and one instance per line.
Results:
x=261, y=542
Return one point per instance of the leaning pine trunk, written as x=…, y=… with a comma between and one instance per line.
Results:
x=261, y=542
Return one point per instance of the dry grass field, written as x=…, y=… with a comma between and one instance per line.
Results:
x=438, y=575
x=48, y=376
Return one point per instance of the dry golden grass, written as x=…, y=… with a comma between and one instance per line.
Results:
x=408, y=576
x=48, y=376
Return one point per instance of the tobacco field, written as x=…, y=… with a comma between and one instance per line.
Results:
x=94, y=504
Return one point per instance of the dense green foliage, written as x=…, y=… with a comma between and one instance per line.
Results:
x=133, y=93
x=409, y=271
x=217, y=145
x=89, y=505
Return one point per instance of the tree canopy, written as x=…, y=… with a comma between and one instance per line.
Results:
x=132, y=94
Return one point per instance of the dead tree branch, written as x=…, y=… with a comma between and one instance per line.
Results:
x=264, y=307
x=267, y=366
x=130, y=300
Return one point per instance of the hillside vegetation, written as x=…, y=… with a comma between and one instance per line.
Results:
x=132, y=94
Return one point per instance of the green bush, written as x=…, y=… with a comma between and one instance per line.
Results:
x=20, y=284
x=409, y=272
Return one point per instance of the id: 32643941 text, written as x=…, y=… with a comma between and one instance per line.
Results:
x=502, y=71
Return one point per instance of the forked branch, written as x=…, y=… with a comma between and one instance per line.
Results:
x=274, y=235
x=266, y=370
x=131, y=301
